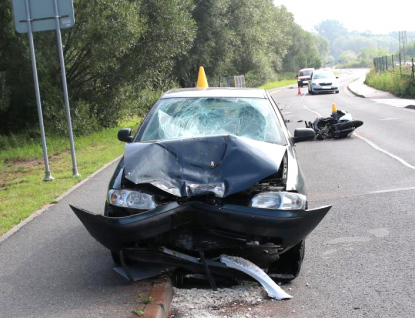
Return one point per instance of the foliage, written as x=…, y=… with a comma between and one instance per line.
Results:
x=120, y=55
x=343, y=43
x=392, y=82
x=306, y=50
x=236, y=37
x=331, y=29
x=409, y=50
x=117, y=51
x=350, y=59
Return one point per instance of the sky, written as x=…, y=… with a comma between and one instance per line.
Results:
x=379, y=17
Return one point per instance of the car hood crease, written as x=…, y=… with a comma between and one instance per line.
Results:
x=175, y=166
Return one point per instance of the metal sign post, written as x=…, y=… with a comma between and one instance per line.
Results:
x=65, y=89
x=42, y=15
x=48, y=175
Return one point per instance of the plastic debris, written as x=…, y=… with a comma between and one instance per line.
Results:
x=249, y=268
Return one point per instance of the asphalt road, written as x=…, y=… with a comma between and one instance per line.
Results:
x=360, y=259
x=52, y=267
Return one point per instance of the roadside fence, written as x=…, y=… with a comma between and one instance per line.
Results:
x=396, y=63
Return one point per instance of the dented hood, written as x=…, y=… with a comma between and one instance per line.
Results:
x=222, y=165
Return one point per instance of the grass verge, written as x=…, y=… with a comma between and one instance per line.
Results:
x=22, y=189
x=277, y=84
x=392, y=82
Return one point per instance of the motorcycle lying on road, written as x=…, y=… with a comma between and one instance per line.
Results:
x=339, y=124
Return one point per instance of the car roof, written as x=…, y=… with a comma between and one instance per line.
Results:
x=307, y=69
x=215, y=92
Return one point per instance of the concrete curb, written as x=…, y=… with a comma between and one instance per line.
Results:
x=162, y=294
x=354, y=93
x=34, y=215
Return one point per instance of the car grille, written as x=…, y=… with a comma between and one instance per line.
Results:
x=325, y=84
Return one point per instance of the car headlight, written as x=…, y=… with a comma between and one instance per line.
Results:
x=314, y=84
x=131, y=199
x=279, y=201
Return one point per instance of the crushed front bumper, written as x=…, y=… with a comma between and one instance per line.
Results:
x=287, y=227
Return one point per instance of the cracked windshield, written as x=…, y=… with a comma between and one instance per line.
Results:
x=197, y=117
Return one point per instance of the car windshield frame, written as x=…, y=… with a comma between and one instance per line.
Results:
x=321, y=75
x=305, y=73
x=193, y=117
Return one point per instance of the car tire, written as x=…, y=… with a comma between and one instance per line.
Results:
x=337, y=91
x=288, y=266
x=310, y=92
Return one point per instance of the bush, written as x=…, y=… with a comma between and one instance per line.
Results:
x=392, y=82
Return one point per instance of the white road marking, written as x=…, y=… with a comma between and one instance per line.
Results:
x=302, y=97
x=392, y=190
x=389, y=118
x=312, y=111
x=385, y=151
x=397, y=102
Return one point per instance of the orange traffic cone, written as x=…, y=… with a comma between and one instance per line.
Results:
x=299, y=90
x=201, y=79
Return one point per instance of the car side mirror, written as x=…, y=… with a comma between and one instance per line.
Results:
x=296, y=76
x=124, y=134
x=303, y=134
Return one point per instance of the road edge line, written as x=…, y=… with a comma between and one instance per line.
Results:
x=39, y=212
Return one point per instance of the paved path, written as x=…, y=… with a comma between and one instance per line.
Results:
x=359, y=88
x=52, y=267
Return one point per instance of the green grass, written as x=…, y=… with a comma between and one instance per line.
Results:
x=22, y=189
x=277, y=84
x=392, y=82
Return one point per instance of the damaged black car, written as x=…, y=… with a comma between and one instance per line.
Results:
x=209, y=172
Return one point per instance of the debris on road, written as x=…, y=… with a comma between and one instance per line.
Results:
x=231, y=302
x=249, y=268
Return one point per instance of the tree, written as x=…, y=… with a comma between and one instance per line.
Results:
x=260, y=30
x=213, y=44
x=306, y=50
x=114, y=49
x=330, y=29
x=16, y=85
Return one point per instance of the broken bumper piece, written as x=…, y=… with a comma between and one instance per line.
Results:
x=225, y=265
x=287, y=227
